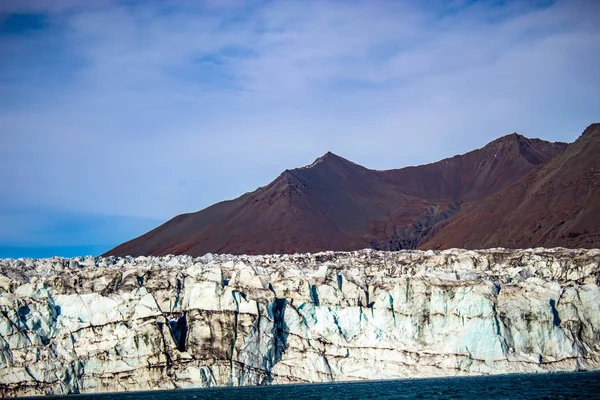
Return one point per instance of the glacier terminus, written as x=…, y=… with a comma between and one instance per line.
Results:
x=85, y=325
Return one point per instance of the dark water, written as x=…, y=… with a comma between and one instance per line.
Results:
x=580, y=385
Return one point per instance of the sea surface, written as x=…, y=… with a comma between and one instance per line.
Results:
x=578, y=385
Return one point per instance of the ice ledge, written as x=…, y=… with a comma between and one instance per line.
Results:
x=560, y=264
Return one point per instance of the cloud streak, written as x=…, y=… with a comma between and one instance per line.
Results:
x=150, y=109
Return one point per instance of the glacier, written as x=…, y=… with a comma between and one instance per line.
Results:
x=85, y=325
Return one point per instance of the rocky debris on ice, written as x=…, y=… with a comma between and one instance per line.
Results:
x=112, y=324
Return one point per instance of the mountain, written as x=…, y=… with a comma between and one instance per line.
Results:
x=557, y=204
x=335, y=204
x=328, y=204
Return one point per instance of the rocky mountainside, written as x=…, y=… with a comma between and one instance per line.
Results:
x=334, y=204
x=557, y=204
x=114, y=324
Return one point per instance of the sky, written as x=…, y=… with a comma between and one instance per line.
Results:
x=116, y=116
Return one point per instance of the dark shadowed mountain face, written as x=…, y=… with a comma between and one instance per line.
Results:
x=514, y=192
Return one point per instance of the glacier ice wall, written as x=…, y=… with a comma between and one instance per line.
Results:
x=113, y=324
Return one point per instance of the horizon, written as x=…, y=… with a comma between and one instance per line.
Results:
x=119, y=115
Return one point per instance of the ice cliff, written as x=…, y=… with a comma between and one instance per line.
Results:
x=113, y=324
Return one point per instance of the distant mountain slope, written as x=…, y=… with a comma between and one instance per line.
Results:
x=478, y=173
x=557, y=204
x=334, y=204
x=326, y=205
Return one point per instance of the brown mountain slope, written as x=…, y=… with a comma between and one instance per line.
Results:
x=334, y=204
x=325, y=205
x=557, y=204
x=478, y=173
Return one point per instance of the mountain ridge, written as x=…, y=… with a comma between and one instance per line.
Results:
x=336, y=204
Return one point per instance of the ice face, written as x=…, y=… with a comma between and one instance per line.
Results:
x=112, y=324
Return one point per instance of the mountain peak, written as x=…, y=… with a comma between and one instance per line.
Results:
x=592, y=129
x=534, y=151
x=511, y=137
x=327, y=158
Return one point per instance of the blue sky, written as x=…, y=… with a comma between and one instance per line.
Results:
x=117, y=115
